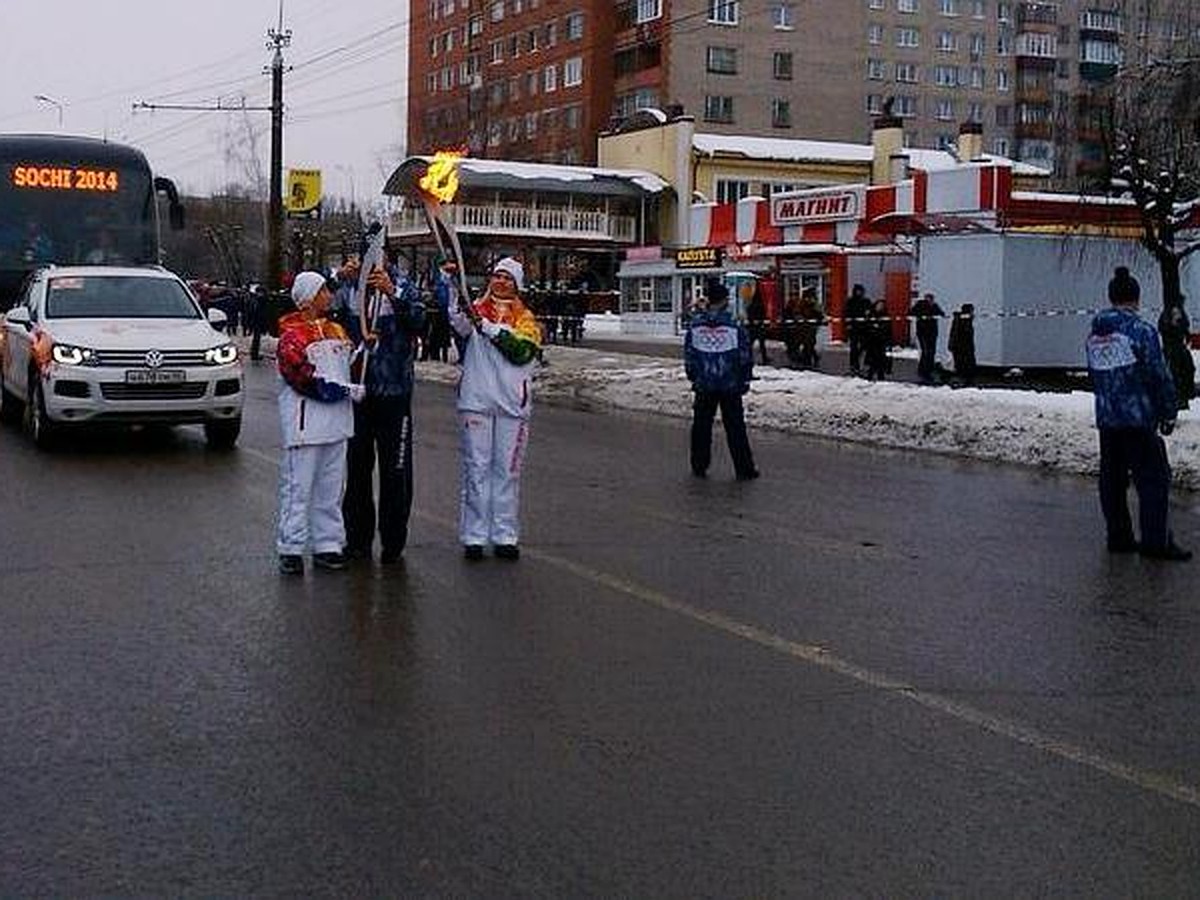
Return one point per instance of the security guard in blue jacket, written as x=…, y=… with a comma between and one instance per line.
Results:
x=719, y=362
x=1135, y=402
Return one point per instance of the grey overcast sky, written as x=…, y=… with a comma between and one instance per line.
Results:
x=344, y=97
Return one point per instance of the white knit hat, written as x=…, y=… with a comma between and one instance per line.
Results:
x=513, y=268
x=306, y=286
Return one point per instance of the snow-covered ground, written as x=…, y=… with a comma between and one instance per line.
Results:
x=1049, y=430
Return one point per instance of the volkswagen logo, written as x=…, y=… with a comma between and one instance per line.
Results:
x=154, y=359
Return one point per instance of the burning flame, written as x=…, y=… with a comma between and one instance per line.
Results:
x=440, y=180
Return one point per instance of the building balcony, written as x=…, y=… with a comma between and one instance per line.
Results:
x=542, y=223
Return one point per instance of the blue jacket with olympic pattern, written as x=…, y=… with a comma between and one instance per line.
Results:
x=717, y=354
x=1130, y=380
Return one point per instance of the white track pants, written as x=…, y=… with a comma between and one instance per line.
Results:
x=310, y=499
x=493, y=449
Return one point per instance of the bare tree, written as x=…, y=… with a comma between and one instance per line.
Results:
x=1152, y=132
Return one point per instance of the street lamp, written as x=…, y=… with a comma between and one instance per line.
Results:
x=44, y=99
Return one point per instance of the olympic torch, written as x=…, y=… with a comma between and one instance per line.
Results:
x=431, y=184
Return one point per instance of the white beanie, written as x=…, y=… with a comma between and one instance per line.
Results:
x=306, y=286
x=513, y=268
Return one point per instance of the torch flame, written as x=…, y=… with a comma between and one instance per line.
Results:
x=440, y=180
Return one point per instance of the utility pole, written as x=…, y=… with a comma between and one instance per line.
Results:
x=277, y=39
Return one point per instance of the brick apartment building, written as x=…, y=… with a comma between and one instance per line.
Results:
x=539, y=79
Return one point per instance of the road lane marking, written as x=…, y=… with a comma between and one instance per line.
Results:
x=1152, y=782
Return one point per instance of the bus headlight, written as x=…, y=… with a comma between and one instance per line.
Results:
x=221, y=356
x=70, y=355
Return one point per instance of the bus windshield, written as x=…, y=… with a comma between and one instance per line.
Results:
x=73, y=201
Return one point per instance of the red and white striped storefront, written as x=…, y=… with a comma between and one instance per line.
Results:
x=833, y=237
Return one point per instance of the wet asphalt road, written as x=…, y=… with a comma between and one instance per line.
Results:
x=868, y=673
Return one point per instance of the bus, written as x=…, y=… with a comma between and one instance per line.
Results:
x=76, y=201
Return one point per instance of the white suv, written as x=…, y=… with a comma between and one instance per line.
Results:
x=108, y=344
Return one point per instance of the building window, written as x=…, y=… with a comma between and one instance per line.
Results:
x=1000, y=146
x=906, y=106
x=876, y=70
x=781, y=113
x=551, y=37
x=1003, y=116
x=977, y=45
x=549, y=79
x=978, y=80
x=975, y=112
x=731, y=191
x=1004, y=11
x=531, y=83
x=723, y=12
x=945, y=76
x=906, y=6
x=876, y=4
x=531, y=40
x=722, y=60
x=647, y=11
x=574, y=26
x=947, y=42
x=948, y=7
x=977, y=9
x=907, y=73
x=781, y=16
x=496, y=52
x=497, y=10
x=573, y=72
x=514, y=45
x=573, y=117
x=718, y=109
x=1002, y=79
x=475, y=26
x=874, y=34
x=874, y=104
x=908, y=37
x=781, y=65
x=943, y=109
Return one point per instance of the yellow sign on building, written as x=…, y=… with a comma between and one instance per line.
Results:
x=302, y=199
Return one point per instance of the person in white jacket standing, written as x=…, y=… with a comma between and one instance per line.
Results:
x=317, y=418
x=503, y=341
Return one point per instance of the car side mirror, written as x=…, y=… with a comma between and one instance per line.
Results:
x=217, y=318
x=19, y=315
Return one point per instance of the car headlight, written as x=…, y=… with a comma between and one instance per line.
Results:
x=70, y=355
x=221, y=356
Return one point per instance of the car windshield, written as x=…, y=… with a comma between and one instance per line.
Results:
x=118, y=297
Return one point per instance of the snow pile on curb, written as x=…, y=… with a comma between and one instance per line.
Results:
x=1048, y=430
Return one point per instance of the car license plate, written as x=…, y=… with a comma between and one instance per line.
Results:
x=155, y=376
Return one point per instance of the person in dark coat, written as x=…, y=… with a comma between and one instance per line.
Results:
x=962, y=342
x=719, y=362
x=877, y=340
x=927, y=312
x=756, y=317
x=811, y=318
x=1135, y=403
x=1175, y=330
x=857, y=311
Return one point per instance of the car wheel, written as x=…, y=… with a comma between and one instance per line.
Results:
x=10, y=406
x=37, y=423
x=222, y=435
